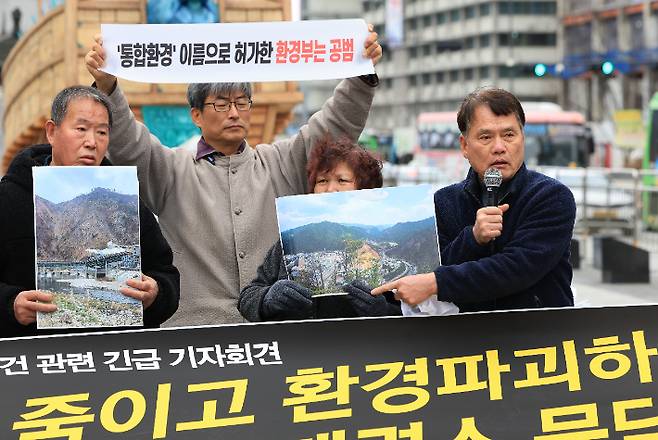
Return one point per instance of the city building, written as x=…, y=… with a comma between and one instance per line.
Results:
x=450, y=48
x=609, y=51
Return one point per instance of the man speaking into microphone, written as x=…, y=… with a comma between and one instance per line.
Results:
x=504, y=231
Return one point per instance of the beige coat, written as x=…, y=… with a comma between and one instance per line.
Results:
x=220, y=220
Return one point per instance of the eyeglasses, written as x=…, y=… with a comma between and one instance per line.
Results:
x=224, y=105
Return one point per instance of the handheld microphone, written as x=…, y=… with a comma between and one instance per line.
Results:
x=493, y=178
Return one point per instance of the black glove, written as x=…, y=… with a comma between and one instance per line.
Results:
x=366, y=304
x=287, y=300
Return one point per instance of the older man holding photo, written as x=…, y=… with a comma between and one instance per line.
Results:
x=78, y=134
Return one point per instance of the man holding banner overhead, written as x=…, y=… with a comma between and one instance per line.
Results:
x=216, y=205
x=509, y=251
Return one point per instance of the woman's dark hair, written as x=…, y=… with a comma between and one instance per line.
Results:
x=328, y=153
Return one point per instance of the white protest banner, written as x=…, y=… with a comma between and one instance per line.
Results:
x=236, y=52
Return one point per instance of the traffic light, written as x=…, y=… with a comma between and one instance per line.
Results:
x=607, y=67
x=540, y=69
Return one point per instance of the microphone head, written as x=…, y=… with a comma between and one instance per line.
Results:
x=493, y=178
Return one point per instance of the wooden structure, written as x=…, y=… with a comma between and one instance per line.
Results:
x=50, y=57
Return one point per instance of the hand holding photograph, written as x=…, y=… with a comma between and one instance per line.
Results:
x=372, y=235
x=86, y=222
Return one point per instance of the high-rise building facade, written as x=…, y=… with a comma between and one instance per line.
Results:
x=452, y=47
x=609, y=55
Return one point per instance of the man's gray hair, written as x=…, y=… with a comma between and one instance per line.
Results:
x=61, y=102
x=198, y=92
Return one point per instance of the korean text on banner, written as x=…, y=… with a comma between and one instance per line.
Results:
x=231, y=52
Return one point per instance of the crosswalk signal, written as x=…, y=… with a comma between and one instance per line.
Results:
x=607, y=67
x=540, y=69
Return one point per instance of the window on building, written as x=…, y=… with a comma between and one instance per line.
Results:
x=636, y=29
x=469, y=42
x=609, y=35
x=413, y=52
x=485, y=9
x=525, y=70
x=469, y=73
x=527, y=8
x=427, y=20
x=454, y=75
x=448, y=45
x=543, y=8
x=427, y=50
x=527, y=39
x=484, y=72
x=440, y=18
x=537, y=39
x=439, y=77
x=505, y=71
x=412, y=81
x=454, y=15
x=469, y=12
x=578, y=39
x=387, y=55
x=412, y=24
x=372, y=5
x=484, y=40
x=517, y=71
x=427, y=79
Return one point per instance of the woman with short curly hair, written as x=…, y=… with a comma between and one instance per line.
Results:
x=341, y=155
x=334, y=165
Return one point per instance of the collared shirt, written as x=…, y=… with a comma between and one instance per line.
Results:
x=205, y=151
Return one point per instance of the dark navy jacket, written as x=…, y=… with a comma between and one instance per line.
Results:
x=530, y=265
